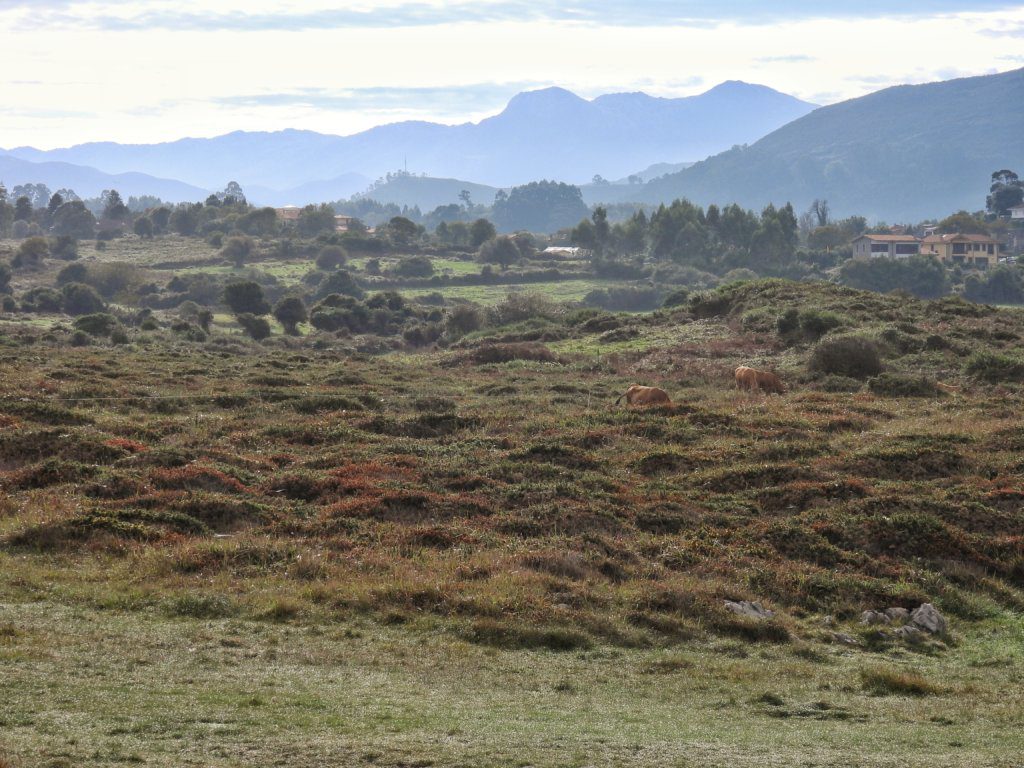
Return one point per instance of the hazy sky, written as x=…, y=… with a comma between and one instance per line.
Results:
x=154, y=70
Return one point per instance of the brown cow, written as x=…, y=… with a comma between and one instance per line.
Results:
x=752, y=379
x=637, y=395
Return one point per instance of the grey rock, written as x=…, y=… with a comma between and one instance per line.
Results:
x=910, y=634
x=874, y=617
x=928, y=618
x=897, y=615
x=844, y=639
x=751, y=610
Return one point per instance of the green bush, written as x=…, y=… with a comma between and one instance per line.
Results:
x=995, y=368
x=64, y=247
x=677, y=298
x=815, y=323
x=331, y=257
x=188, y=330
x=811, y=324
x=42, y=300
x=414, y=266
x=97, y=324
x=80, y=339
x=258, y=328
x=31, y=252
x=81, y=299
x=853, y=356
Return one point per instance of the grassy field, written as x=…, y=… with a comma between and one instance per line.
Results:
x=157, y=261
x=109, y=687
x=293, y=552
x=563, y=290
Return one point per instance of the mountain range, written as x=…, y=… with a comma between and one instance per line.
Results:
x=905, y=153
x=549, y=133
x=90, y=182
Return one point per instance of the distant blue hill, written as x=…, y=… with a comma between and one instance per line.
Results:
x=901, y=154
x=89, y=182
x=549, y=133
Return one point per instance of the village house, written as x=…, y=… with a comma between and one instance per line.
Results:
x=289, y=214
x=979, y=251
x=885, y=246
x=1017, y=211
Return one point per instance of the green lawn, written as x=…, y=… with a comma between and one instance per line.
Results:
x=565, y=290
x=84, y=686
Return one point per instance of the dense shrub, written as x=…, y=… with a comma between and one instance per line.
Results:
x=189, y=330
x=1002, y=285
x=520, y=305
x=98, y=324
x=258, y=328
x=30, y=253
x=463, y=319
x=42, y=300
x=625, y=299
x=853, y=356
x=503, y=353
x=80, y=339
x=340, y=282
x=921, y=275
x=707, y=304
x=676, y=298
x=64, y=247
x=331, y=257
x=337, y=312
x=72, y=273
x=810, y=324
x=239, y=249
x=289, y=312
x=422, y=335
x=81, y=299
x=815, y=323
x=112, y=278
x=246, y=297
x=414, y=266
x=995, y=368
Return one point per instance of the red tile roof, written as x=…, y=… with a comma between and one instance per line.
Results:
x=890, y=238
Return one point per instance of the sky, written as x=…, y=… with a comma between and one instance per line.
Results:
x=141, y=71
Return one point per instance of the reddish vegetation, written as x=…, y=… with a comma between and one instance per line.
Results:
x=132, y=446
x=196, y=478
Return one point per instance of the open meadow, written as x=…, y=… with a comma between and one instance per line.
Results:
x=294, y=552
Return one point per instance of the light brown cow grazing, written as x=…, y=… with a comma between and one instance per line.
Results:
x=637, y=395
x=752, y=379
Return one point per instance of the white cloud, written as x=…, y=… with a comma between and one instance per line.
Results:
x=153, y=85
